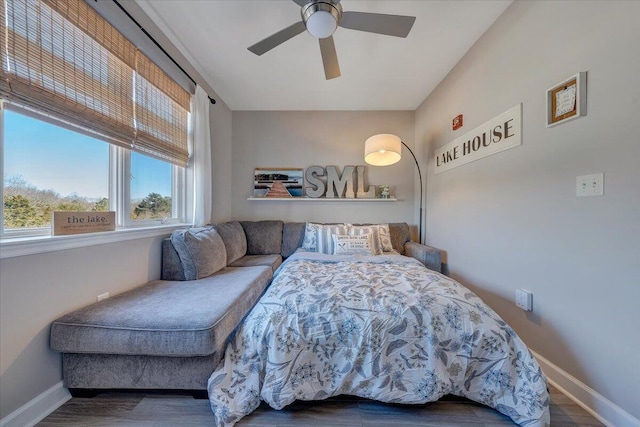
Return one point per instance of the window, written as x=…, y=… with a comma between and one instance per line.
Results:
x=88, y=122
x=150, y=189
x=48, y=167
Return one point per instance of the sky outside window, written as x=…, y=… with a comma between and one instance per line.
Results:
x=49, y=157
x=149, y=175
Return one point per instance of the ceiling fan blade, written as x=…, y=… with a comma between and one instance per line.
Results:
x=329, y=58
x=390, y=25
x=278, y=38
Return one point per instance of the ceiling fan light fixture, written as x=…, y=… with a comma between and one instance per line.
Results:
x=321, y=24
x=321, y=18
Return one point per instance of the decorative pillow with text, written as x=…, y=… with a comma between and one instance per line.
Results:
x=352, y=245
x=374, y=230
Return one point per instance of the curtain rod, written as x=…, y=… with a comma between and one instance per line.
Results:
x=213, y=101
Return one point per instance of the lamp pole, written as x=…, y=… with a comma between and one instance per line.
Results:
x=420, y=176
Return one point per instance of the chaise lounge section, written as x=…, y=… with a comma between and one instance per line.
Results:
x=171, y=333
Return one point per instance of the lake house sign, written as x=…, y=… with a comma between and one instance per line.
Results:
x=498, y=134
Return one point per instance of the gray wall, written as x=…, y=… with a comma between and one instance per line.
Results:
x=36, y=289
x=512, y=220
x=302, y=139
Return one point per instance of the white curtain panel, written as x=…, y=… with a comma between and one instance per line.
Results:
x=200, y=154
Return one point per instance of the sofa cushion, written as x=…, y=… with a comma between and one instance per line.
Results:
x=119, y=371
x=273, y=261
x=235, y=241
x=171, y=265
x=164, y=318
x=399, y=234
x=292, y=237
x=263, y=237
x=201, y=251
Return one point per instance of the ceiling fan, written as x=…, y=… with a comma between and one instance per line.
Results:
x=321, y=18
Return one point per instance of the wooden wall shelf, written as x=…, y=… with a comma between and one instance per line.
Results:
x=319, y=199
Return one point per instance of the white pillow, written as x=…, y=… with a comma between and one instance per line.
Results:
x=374, y=230
x=324, y=242
x=385, y=238
x=361, y=244
x=309, y=240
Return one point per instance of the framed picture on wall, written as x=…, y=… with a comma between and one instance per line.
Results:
x=278, y=182
x=567, y=100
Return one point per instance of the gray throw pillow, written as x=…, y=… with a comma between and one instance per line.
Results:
x=292, y=236
x=263, y=237
x=201, y=251
x=235, y=241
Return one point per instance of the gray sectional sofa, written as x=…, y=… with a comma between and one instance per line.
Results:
x=171, y=333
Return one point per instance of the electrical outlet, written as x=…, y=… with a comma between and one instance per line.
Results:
x=590, y=185
x=103, y=296
x=524, y=300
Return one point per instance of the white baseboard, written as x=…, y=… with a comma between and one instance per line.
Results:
x=607, y=412
x=37, y=408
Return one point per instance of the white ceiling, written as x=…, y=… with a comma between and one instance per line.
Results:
x=378, y=72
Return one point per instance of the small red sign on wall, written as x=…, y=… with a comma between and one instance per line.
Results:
x=457, y=122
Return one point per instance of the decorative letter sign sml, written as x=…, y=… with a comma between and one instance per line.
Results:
x=337, y=185
x=498, y=134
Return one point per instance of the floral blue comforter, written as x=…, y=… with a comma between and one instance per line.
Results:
x=384, y=328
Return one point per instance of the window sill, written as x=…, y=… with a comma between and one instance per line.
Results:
x=15, y=247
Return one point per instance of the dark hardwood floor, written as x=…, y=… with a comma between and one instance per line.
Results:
x=156, y=410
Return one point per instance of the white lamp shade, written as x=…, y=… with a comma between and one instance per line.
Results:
x=382, y=150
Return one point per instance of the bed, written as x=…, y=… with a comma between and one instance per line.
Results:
x=380, y=327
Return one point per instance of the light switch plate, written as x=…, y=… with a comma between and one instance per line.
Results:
x=524, y=299
x=590, y=185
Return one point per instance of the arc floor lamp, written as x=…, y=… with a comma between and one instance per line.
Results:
x=386, y=149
